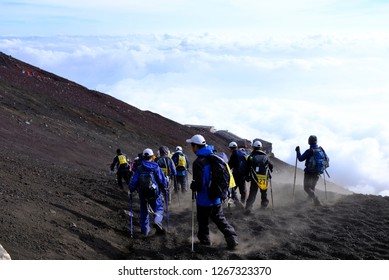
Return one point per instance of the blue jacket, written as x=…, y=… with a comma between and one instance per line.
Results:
x=238, y=167
x=306, y=155
x=202, y=177
x=158, y=175
x=180, y=170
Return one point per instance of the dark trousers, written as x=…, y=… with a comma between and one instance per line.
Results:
x=253, y=195
x=123, y=175
x=241, y=185
x=310, y=181
x=215, y=213
x=180, y=181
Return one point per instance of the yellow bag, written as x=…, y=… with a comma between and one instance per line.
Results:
x=122, y=159
x=232, y=180
x=261, y=181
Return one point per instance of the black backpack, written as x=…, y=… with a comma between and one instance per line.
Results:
x=220, y=177
x=146, y=184
x=259, y=163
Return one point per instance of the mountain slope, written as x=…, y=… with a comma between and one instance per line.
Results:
x=58, y=200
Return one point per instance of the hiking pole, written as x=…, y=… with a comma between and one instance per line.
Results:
x=193, y=217
x=325, y=184
x=177, y=190
x=294, y=180
x=271, y=192
x=167, y=209
x=131, y=229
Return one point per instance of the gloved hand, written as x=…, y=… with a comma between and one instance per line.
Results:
x=297, y=149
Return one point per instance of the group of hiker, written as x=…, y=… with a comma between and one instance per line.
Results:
x=215, y=178
x=154, y=177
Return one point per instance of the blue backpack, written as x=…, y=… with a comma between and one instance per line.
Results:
x=318, y=162
x=147, y=186
x=242, y=159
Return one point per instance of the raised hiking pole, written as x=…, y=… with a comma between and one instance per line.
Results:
x=193, y=217
x=294, y=180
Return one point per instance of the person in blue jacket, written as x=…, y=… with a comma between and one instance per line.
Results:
x=310, y=178
x=207, y=208
x=150, y=205
x=237, y=163
x=182, y=167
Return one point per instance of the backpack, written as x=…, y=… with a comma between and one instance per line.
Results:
x=146, y=184
x=163, y=163
x=221, y=178
x=181, y=162
x=242, y=162
x=259, y=163
x=318, y=162
x=122, y=161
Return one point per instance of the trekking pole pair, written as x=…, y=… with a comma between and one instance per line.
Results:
x=294, y=180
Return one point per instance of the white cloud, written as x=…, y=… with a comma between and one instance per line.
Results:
x=278, y=88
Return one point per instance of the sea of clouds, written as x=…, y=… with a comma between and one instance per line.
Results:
x=281, y=89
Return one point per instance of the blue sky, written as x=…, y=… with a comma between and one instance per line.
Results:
x=278, y=70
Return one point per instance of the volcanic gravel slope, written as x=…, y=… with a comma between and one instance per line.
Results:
x=58, y=199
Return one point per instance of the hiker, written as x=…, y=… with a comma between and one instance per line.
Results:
x=258, y=164
x=207, y=208
x=181, y=163
x=167, y=166
x=311, y=176
x=237, y=163
x=122, y=166
x=137, y=162
x=149, y=181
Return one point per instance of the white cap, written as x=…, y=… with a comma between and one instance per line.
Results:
x=197, y=139
x=148, y=152
x=233, y=145
x=178, y=148
x=257, y=144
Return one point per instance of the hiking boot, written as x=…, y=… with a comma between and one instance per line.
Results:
x=205, y=242
x=159, y=229
x=232, y=244
x=316, y=201
x=247, y=212
x=238, y=204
